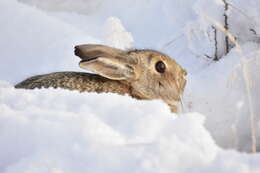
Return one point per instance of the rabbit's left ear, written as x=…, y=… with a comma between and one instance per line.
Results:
x=105, y=61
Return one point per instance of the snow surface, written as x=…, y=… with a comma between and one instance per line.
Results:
x=54, y=130
x=63, y=131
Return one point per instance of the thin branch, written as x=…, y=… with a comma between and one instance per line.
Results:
x=226, y=25
x=216, y=44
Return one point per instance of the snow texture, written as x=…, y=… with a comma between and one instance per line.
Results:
x=116, y=35
x=55, y=130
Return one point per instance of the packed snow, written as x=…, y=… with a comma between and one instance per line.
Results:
x=55, y=130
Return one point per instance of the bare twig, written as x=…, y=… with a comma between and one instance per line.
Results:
x=216, y=44
x=220, y=27
x=226, y=25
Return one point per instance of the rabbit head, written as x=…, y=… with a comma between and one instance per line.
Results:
x=150, y=74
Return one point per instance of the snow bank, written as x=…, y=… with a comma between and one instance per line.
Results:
x=53, y=130
x=225, y=100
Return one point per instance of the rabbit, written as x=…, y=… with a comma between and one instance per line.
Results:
x=143, y=74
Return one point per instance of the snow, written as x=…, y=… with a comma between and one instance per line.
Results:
x=116, y=35
x=55, y=130
x=44, y=131
x=20, y=49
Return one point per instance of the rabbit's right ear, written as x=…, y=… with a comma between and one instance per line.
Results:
x=109, y=62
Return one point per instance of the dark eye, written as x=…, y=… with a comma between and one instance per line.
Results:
x=160, y=67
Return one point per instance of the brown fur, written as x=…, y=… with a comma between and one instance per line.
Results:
x=124, y=72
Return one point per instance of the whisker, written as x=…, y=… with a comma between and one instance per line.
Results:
x=180, y=98
x=182, y=106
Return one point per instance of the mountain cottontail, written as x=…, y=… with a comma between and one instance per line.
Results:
x=142, y=74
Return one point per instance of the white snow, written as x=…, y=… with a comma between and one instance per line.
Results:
x=55, y=130
x=116, y=35
x=63, y=131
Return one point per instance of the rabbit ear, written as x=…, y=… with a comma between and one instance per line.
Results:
x=105, y=61
x=87, y=51
x=108, y=67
